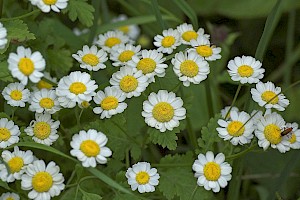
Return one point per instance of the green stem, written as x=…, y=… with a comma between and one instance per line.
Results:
x=21, y=16
x=235, y=183
x=209, y=99
x=157, y=14
x=105, y=11
x=77, y=116
x=237, y=155
x=96, y=5
x=71, y=178
x=13, y=112
x=191, y=133
x=234, y=99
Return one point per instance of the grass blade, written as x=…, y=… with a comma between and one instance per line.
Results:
x=157, y=14
x=186, y=8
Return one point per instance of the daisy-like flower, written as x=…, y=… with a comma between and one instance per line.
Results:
x=121, y=54
x=46, y=85
x=225, y=110
x=17, y=162
x=142, y=177
x=163, y=110
x=111, y=38
x=43, y=180
x=269, y=130
x=84, y=104
x=75, y=88
x=268, y=96
x=212, y=172
x=293, y=135
x=43, y=129
x=44, y=101
x=245, y=69
x=16, y=95
x=190, y=68
x=151, y=64
x=110, y=102
x=9, y=196
x=130, y=81
x=48, y=5
x=25, y=65
x=91, y=59
x=187, y=33
x=168, y=41
x=203, y=48
x=9, y=133
x=236, y=129
x=3, y=34
x=89, y=147
x=132, y=30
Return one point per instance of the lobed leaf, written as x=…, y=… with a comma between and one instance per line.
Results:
x=5, y=74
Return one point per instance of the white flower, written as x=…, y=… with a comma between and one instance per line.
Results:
x=236, y=129
x=46, y=85
x=79, y=32
x=269, y=130
x=17, y=162
x=151, y=64
x=24, y=65
x=187, y=33
x=205, y=50
x=121, y=54
x=212, y=172
x=3, y=34
x=43, y=129
x=256, y=115
x=163, y=110
x=169, y=41
x=225, y=110
x=111, y=38
x=294, y=135
x=132, y=30
x=245, y=69
x=75, y=88
x=91, y=59
x=130, y=81
x=44, y=101
x=268, y=96
x=89, y=147
x=43, y=180
x=9, y=196
x=142, y=177
x=190, y=68
x=48, y=5
x=9, y=133
x=16, y=95
x=110, y=102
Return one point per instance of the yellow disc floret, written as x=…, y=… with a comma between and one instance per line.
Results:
x=49, y=2
x=110, y=42
x=47, y=103
x=212, y=171
x=4, y=134
x=42, y=130
x=109, y=103
x=235, y=128
x=128, y=83
x=124, y=29
x=204, y=51
x=147, y=65
x=245, y=71
x=189, y=35
x=126, y=55
x=268, y=95
x=293, y=139
x=163, y=112
x=189, y=68
x=90, y=148
x=168, y=41
x=142, y=178
x=15, y=164
x=16, y=95
x=77, y=88
x=42, y=182
x=272, y=133
x=90, y=59
x=26, y=66
x=43, y=84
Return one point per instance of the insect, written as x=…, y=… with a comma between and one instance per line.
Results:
x=286, y=131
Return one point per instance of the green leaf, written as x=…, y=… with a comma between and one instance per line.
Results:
x=209, y=135
x=80, y=9
x=90, y=196
x=59, y=60
x=5, y=74
x=188, y=10
x=4, y=185
x=4, y=115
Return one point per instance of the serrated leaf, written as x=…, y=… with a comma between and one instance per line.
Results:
x=90, y=196
x=5, y=74
x=80, y=9
x=59, y=60
x=209, y=135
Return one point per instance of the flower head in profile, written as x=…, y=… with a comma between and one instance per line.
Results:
x=9, y=133
x=16, y=94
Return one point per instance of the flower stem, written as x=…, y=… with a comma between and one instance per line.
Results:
x=209, y=99
x=77, y=116
x=234, y=99
x=21, y=16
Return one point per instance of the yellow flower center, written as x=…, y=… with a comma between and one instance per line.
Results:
x=10, y=198
x=49, y=2
x=43, y=84
x=15, y=164
x=204, y=51
x=90, y=148
x=90, y=59
x=42, y=130
x=128, y=83
x=163, y=112
x=189, y=35
x=245, y=71
x=212, y=171
x=16, y=95
x=168, y=41
x=189, y=68
x=42, y=182
x=147, y=65
x=85, y=104
x=46, y=103
x=126, y=55
x=142, y=178
x=4, y=134
x=110, y=42
x=26, y=66
x=235, y=128
x=109, y=103
x=268, y=95
x=292, y=139
x=272, y=133
x=77, y=88
x=124, y=29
